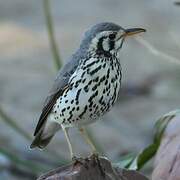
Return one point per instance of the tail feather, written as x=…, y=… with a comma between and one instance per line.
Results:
x=45, y=134
x=39, y=141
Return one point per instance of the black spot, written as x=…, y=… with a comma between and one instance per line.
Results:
x=77, y=83
x=77, y=109
x=68, y=107
x=73, y=108
x=88, y=70
x=85, y=109
x=77, y=95
x=96, y=79
x=86, y=89
x=91, y=103
x=102, y=79
x=112, y=65
x=100, y=100
x=107, y=88
x=94, y=88
x=93, y=96
x=108, y=71
x=113, y=80
x=64, y=109
x=91, y=64
x=72, y=101
x=83, y=81
x=89, y=83
x=95, y=70
x=104, y=65
x=66, y=101
x=106, y=82
x=82, y=75
x=70, y=117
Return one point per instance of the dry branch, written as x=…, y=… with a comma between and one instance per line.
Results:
x=92, y=169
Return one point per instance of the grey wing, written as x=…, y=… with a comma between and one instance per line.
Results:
x=60, y=84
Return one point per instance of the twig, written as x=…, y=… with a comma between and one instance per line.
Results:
x=51, y=34
x=157, y=52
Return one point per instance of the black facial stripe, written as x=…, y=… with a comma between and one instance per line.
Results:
x=111, y=45
x=100, y=44
x=100, y=49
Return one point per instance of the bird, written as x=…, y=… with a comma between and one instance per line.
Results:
x=86, y=87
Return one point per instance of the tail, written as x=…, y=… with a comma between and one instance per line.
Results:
x=45, y=134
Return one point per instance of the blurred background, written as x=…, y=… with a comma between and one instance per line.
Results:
x=150, y=85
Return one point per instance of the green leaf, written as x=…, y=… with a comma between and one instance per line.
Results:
x=125, y=161
x=162, y=123
x=137, y=162
x=146, y=155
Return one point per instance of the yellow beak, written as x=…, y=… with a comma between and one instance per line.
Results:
x=133, y=31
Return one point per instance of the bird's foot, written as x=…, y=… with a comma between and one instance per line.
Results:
x=95, y=157
x=77, y=160
x=95, y=154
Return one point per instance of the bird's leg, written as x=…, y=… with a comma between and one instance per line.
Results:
x=88, y=140
x=69, y=142
x=73, y=157
x=95, y=153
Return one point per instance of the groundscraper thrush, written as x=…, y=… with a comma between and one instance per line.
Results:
x=87, y=86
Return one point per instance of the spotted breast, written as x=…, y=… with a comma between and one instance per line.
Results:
x=93, y=89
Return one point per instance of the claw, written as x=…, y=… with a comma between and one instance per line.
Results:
x=77, y=160
x=95, y=157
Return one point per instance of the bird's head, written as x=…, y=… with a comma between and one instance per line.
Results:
x=106, y=38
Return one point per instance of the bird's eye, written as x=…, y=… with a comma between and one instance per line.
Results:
x=112, y=36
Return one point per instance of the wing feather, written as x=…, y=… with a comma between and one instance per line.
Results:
x=60, y=84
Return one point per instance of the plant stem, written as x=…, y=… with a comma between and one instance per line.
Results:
x=11, y=122
x=20, y=162
x=51, y=34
